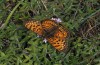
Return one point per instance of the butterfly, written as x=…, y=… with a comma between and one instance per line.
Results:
x=52, y=31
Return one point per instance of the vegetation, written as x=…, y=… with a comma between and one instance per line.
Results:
x=19, y=46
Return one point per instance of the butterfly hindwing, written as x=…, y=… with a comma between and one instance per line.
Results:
x=57, y=43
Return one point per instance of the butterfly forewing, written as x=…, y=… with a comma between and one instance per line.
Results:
x=34, y=26
x=49, y=25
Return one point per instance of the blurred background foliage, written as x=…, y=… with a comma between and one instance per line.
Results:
x=19, y=46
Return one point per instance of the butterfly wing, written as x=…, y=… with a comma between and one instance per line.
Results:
x=49, y=25
x=57, y=43
x=58, y=39
x=61, y=32
x=34, y=26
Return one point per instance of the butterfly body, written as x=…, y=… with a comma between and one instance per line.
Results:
x=54, y=33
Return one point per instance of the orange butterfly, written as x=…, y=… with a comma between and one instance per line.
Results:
x=54, y=33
